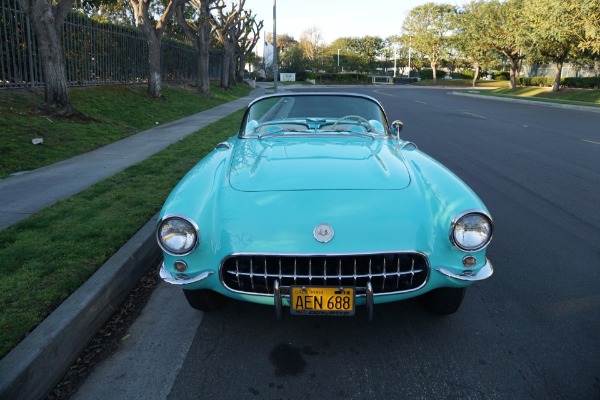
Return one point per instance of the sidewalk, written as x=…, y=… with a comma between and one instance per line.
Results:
x=34, y=367
x=28, y=193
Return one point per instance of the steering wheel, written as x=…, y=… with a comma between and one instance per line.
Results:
x=358, y=118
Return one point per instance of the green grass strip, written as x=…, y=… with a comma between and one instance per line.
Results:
x=46, y=257
x=110, y=113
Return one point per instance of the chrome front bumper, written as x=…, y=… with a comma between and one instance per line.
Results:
x=182, y=279
x=485, y=272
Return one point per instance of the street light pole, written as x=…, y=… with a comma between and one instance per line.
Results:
x=409, y=49
x=395, y=56
x=338, y=60
x=275, y=68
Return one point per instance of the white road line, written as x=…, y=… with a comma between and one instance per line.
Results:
x=420, y=102
x=384, y=93
x=590, y=141
x=474, y=115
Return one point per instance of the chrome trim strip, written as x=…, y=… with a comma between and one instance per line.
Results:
x=485, y=272
x=168, y=277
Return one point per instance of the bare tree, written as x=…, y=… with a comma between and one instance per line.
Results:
x=47, y=18
x=154, y=36
x=248, y=32
x=199, y=33
x=224, y=25
x=311, y=43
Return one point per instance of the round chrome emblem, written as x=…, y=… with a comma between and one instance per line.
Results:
x=323, y=233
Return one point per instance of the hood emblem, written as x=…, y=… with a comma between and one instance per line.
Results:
x=323, y=233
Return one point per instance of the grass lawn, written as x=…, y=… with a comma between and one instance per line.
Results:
x=585, y=97
x=112, y=113
x=46, y=257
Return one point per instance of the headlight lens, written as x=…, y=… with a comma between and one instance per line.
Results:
x=471, y=231
x=177, y=235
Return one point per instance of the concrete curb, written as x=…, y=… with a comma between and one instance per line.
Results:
x=530, y=102
x=38, y=363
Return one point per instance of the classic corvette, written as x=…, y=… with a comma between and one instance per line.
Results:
x=318, y=205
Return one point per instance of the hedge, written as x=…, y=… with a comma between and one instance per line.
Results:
x=581, y=83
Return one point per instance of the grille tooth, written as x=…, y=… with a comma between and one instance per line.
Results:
x=387, y=273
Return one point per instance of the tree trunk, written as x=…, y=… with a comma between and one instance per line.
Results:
x=242, y=66
x=204, y=58
x=476, y=74
x=203, y=78
x=514, y=64
x=47, y=22
x=434, y=70
x=226, y=67
x=154, y=64
x=559, y=66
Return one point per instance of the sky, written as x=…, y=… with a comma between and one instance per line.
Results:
x=336, y=18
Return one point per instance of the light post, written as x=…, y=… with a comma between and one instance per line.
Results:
x=409, y=49
x=275, y=69
x=395, y=55
x=338, y=61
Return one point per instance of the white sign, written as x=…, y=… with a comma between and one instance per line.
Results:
x=287, y=77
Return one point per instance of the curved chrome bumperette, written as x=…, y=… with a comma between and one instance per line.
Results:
x=485, y=272
x=181, y=279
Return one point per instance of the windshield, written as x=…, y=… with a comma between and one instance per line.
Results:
x=310, y=114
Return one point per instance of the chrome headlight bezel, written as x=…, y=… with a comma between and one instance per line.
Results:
x=475, y=223
x=185, y=229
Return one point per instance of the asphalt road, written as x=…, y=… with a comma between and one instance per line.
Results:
x=530, y=331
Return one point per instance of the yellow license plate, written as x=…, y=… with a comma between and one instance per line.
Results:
x=317, y=300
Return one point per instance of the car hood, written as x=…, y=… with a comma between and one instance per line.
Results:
x=283, y=164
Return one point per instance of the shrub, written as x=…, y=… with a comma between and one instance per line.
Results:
x=501, y=76
x=582, y=83
x=427, y=73
x=344, y=78
x=542, y=81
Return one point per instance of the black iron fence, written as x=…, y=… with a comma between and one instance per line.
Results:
x=96, y=53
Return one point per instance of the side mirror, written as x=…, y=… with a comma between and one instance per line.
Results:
x=397, y=125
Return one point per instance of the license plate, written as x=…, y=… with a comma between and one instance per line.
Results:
x=317, y=300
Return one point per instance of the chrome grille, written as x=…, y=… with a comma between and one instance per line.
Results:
x=387, y=272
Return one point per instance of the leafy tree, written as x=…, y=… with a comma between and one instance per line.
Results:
x=198, y=29
x=558, y=31
x=506, y=31
x=369, y=48
x=470, y=37
x=117, y=12
x=154, y=32
x=47, y=18
x=429, y=26
x=349, y=58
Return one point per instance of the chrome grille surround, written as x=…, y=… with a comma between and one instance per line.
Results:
x=388, y=273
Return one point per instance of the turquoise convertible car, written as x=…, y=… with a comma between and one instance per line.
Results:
x=318, y=206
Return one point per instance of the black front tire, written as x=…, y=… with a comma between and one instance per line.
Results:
x=444, y=301
x=204, y=300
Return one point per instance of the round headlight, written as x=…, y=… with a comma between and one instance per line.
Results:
x=471, y=231
x=177, y=235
